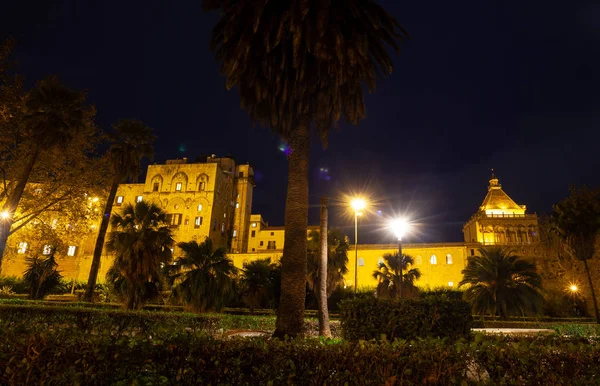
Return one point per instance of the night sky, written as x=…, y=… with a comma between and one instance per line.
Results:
x=509, y=85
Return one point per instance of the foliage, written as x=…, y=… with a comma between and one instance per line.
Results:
x=390, y=276
x=141, y=241
x=368, y=318
x=501, y=283
x=204, y=277
x=41, y=276
x=18, y=285
x=258, y=284
x=337, y=259
x=444, y=292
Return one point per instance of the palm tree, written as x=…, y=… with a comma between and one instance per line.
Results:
x=257, y=283
x=142, y=242
x=337, y=260
x=42, y=276
x=54, y=116
x=203, y=278
x=501, y=283
x=297, y=65
x=131, y=142
x=393, y=271
x=576, y=220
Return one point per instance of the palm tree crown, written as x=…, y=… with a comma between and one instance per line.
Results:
x=142, y=241
x=337, y=260
x=394, y=270
x=131, y=141
x=203, y=277
x=502, y=283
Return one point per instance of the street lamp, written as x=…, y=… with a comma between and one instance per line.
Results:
x=358, y=205
x=5, y=215
x=573, y=288
x=399, y=228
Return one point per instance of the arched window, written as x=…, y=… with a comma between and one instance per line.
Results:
x=418, y=260
x=448, y=259
x=433, y=259
x=199, y=207
x=202, y=186
x=361, y=262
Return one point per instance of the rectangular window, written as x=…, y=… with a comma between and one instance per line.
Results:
x=119, y=200
x=472, y=252
x=237, y=205
x=22, y=248
x=253, y=234
x=202, y=186
x=174, y=219
x=234, y=233
x=272, y=233
x=47, y=249
x=271, y=245
x=262, y=243
x=71, y=250
x=155, y=187
x=197, y=222
x=222, y=228
x=187, y=221
x=241, y=174
x=178, y=187
x=138, y=199
x=199, y=207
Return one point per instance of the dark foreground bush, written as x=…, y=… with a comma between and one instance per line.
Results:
x=431, y=316
x=186, y=359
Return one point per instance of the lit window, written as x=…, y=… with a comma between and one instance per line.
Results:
x=253, y=225
x=119, y=200
x=47, y=249
x=380, y=261
x=450, y=284
x=448, y=259
x=237, y=205
x=253, y=234
x=71, y=250
x=433, y=259
x=178, y=187
x=186, y=221
x=224, y=215
x=202, y=186
x=197, y=222
x=138, y=199
x=22, y=248
x=418, y=260
x=199, y=207
x=222, y=227
x=234, y=233
x=361, y=262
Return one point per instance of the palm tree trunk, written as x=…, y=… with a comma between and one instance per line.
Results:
x=594, y=300
x=290, y=315
x=324, y=329
x=91, y=283
x=13, y=202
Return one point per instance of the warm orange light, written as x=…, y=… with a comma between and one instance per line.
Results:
x=399, y=227
x=573, y=288
x=5, y=215
x=358, y=204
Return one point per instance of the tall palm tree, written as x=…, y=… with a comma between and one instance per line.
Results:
x=576, y=220
x=501, y=283
x=301, y=64
x=203, y=277
x=141, y=241
x=257, y=282
x=131, y=142
x=393, y=271
x=337, y=260
x=54, y=116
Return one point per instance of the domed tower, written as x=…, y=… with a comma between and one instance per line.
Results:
x=500, y=220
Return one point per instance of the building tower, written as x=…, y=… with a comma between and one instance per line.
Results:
x=500, y=220
x=243, y=208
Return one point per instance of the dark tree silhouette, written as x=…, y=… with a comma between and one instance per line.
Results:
x=394, y=272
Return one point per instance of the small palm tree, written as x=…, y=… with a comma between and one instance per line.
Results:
x=337, y=260
x=142, y=243
x=131, y=141
x=394, y=272
x=41, y=276
x=203, y=277
x=257, y=283
x=502, y=283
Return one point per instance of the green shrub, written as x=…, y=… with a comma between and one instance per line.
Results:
x=431, y=316
x=60, y=357
x=17, y=284
x=41, y=276
x=444, y=292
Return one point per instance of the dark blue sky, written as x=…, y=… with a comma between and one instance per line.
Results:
x=510, y=85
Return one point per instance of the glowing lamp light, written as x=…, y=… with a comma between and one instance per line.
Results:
x=95, y=199
x=573, y=288
x=5, y=215
x=358, y=204
x=399, y=227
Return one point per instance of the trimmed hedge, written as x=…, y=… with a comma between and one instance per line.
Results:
x=431, y=316
x=187, y=359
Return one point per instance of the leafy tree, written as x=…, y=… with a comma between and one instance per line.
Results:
x=203, y=277
x=258, y=283
x=576, y=220
x=41, y=276
x=337, y=260
x=130, y=143
x=53, y=117
x=394, y=272
x=502, y=283
x=297, y=65
x=141, y=241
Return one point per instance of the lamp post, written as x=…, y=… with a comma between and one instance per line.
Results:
x=399, y=227
x=358, y=204
x=574, y=289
